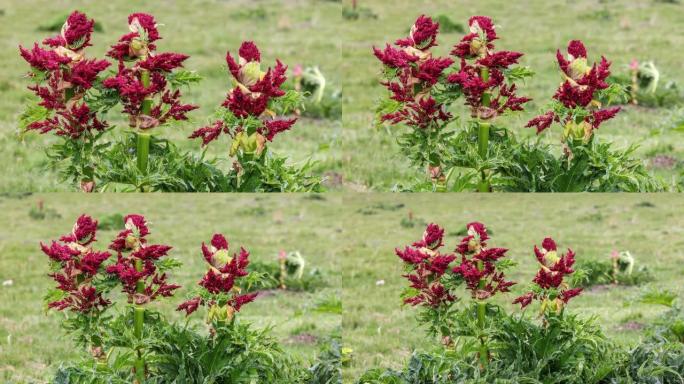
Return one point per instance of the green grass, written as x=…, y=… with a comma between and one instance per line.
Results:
x=295, y=31
x=383, y=333
x=620, y=30
x=31, y=342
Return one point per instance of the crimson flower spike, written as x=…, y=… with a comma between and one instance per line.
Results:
x=427, y=267
x=218, y=289
x=79, y=265
x=417, y=71
x=63, y=75
x=143, y=87
x=136, y=265
x=551, y=289
x=249, y=100
x=580, y=87
x=481, y=76
x=478, y=264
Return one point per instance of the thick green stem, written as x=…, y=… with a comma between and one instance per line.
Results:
x=138, y=322
x=483, y=133
x=481, y=316
x=143, y=139
x=147, y=103
x=143, y=150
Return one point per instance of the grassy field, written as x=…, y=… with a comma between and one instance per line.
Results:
x=31, y=342
x=295, y=31
x=383, y=333
x=619, y=29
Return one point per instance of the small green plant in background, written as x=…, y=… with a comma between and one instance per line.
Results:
x=621, y=269
x=645, y=86
x=290, y=272
x=41, y=212
x=356, y=12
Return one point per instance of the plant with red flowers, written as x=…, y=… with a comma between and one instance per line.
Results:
x=422, y=89
x=486, y=78
x=141, y=271
x=481, y=341
x=584, y=163
x=219, y=289
x=139, y=345
x=252, y=115
x=550, y=286
x=576, y=107
x=78, y=270
x=419, y=96
x=435, y=278
x=65, y=82
x=148, y=87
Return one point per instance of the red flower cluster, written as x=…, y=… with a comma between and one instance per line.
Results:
x=220, y=279
x=136, y=262
x=481, y=74
x=415, y=71
x=79, y=264
x=549, y=279
x=428, y=266
x=64, y=75
x=478, y=264
x=254, y=90
x=75, y=34
x=149, y=66
x=581, y=82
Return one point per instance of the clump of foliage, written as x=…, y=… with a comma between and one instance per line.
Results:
x=137, y=344
x=644, y=86
x=290, y=273
x=622, y=269
x=328, y=368
x=320, y=100
x=481, y=343
x=478, y=153
x=75, y=93
x=356, y=12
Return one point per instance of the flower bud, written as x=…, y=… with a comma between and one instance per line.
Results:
x=250, y=73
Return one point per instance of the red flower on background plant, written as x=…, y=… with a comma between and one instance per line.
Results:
x=427, y=268
x=415, y=71
x=481, y=75
x=143, y=87
x=83, y=232
x=478, y=264
x=63, y=76
x=75, y=33
x=78, y=264
x=581, y=83
x=551, y=288
x=253, y=93
x=137, y=263
x=220, y=293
